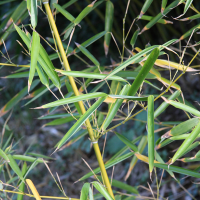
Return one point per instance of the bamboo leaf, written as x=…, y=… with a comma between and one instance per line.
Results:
x=62, y=115
x=164, y=3
x=42, y=75
x=109, y=16
x=34, y=13
x=64, y=12
x=79, y=123
x=102, y=190
x=109, y=164
x=74, y=99
x=150, y=127
x=15, y=17
x=187, y=5
x=33, y=189
x=160, y=15
x=189, y=32
x=121, y=185
x=164, y=105
x=183, y=107
x=145, y=7
x=35, y=48
x=169, y=64
x=26, y=158
x=127, y=142
x=43, y=59
x=141, y=146
x=172, y=168
x=86, y=11
x=134, y=37
x=123, y=150
x=89, y=41
x=88, y=54
x=186, y=143
x=181, y=128
x=132, y=60
x=144, y=71
x=114, y=108
x=22, y=186
x=3, y=155
x=15, y=167
x=85, y=191
x=61, y=121
x=17, y=98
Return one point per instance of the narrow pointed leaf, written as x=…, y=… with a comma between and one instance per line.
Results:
x=85, y=191
x=186, y=143
x=183, y=107
x=34, y=13
x=88, y=54
x=114, y=108
x=74, y=99
x=108, y=165
x=90, y=41
x=144, y=71
x=64, y=12
x=86, y=11
x=102, y=190
x=109, y=16
x=121, y=185
x=15, y=167
x=150, y=127
x=164, y=105
x=22, y=186
x=35, y=48
x=127, y=142
x=17, y=98
x=187, y=5
x=80, y=122
x=145, y=7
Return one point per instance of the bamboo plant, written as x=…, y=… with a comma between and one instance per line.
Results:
x=83, y=107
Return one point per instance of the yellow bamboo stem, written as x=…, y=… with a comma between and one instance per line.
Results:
x=76, y=92
x=30, y=195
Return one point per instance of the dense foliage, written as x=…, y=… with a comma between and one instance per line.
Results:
x=115, y=83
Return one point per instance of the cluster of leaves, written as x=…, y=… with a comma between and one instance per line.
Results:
x=80, y=104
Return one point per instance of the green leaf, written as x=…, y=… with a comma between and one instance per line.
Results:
x=114, y=108
x=74, y=99
x=34, y=13
x=127, y=142
x=89, y=41
x=109, y=16
x=102, y=190
x=85, y=191
x=26, y=158
x=121, y=185
x=15, y=167
x=17, y=98
x=35, y=48
x=144, y=71
x=150, y=128
x=80, y=122
x=89, y=75
x=131, y=60
x=109, y=164
x=64, y=12
x=187, y=5
x=87, y=10
x=186, y=143
x=88, y=54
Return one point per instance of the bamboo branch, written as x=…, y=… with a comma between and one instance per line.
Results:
x=76, y=92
